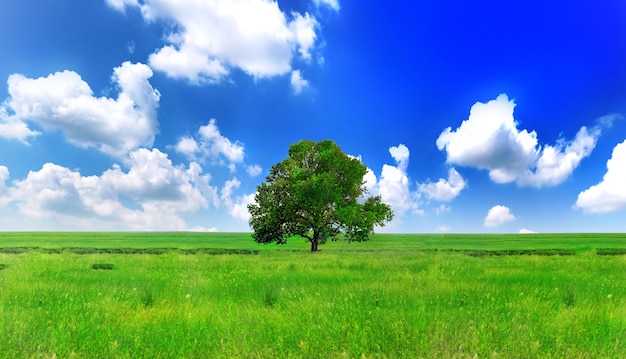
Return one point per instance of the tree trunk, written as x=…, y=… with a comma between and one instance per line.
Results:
x=314, y=242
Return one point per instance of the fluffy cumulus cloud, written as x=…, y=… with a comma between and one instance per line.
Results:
x=14, y=128
x=497, y=216
x=63, y=101
x=297, y=82
x=215, y=145
x=610, y=194
x=556, y=163
x=210, y=144
x=444, y=190
x=187, y=146
x=152, y=194
x=153, y=178
x=239, y=208
x=209, y=38
x=393, y=185
x=401, y=155
x=303, y=29
x=490, y=139
x=58, y=191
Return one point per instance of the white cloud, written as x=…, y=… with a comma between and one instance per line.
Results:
x=120, y=5
x=4, y=176
x=13, y=128
x=526, y=231
x=152, y=177
x=227, y=191
x=201, y=182
x=58, y=191
x=333, y=4
x=214, y=144
x=608, y=120
x=152, y=195
x=556, y=163
x=443, y=209
x=400, y=154
x=187, y=146
x=394, y=185
x=610, y=194
x=444, y=228
x=444, y=190
x=303, y=29
x=297, y=82
x=254, y=170
x=239, y=209
x=210, y=143
x=370, y=182
x=497, y=216
x=489, y=139
x=212, y=37
x=187, y=64
x=63, y=101
x=202, y=229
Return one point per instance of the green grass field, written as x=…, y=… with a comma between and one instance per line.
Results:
x=185, y=295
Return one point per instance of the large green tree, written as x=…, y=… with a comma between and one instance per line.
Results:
x=317, y=193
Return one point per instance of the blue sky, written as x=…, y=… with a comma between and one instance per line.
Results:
x=484, y=116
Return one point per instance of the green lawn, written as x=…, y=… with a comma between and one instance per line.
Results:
x=396, y=296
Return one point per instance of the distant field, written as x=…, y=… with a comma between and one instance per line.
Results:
x=186, y=295
x=243, y=241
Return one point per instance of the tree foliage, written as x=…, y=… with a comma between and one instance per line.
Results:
x=316, y=193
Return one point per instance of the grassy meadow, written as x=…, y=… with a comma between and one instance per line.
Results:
x=185, y=295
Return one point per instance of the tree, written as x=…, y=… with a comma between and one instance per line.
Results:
x=317, y=193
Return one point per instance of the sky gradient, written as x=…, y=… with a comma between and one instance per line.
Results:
x=489, y=116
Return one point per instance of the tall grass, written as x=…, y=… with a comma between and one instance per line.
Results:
x=376, y=303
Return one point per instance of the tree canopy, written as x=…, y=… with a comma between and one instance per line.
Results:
x=317, y=193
